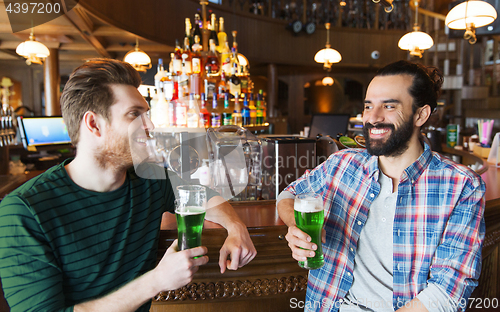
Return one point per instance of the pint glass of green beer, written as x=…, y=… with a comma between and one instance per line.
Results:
x=190, y=213
x=309, y=217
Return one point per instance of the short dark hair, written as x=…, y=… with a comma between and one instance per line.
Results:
x=88, y=89
x=426, y=85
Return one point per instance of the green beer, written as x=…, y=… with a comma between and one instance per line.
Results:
x=191, y=205
x=189, y=226
x=309, y=218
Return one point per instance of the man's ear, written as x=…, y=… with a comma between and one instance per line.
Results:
x=92, y=123
x=422, y=115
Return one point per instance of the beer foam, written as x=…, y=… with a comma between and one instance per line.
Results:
x=308, y=205
x=190, y=210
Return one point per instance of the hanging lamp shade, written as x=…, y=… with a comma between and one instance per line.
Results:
x=32, y=50
x=416, y=42
x=476, y=12
x=138, y=58
x=416, y=39
x=327, y=81
x=469, y=15
x=327, y=55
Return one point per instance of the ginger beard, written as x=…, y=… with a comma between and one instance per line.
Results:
x=395, y=145
x=115, y=152
x=123, y=151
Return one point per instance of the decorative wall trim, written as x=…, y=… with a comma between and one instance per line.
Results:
x=235, y=289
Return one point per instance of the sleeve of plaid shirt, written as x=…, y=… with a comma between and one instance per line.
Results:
x=457, y=262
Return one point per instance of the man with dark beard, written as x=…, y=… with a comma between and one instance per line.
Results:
x=403, y=226
x=83, y=235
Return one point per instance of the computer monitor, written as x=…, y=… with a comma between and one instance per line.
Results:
x=329, y=124
x=43, y=134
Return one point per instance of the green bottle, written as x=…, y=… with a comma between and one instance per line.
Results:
x=259, y=110
x=227, y=114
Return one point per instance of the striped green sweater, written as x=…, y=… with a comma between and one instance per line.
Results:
x=61, y=244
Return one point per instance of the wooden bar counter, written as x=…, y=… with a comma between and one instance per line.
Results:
x=270, y=282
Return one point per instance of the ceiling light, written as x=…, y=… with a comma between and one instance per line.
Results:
x=32, y=50
x=470, y=15
x=138, y=58
x=416, y=41
x=327, y=56
x=327, y=81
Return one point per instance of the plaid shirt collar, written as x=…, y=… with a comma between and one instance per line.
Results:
x=411, y=173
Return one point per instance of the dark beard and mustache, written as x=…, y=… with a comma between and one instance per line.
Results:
x=395, y=145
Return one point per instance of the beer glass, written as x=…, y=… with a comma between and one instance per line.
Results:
x=190, y=213
x=309, y=217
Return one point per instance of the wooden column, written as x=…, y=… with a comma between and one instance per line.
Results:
x=272, y=89
x=52, y=81
x=494, y=69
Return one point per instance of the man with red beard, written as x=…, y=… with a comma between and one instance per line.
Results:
x=403, y=225
x=83, y=235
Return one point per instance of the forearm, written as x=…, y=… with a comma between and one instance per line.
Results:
x=285, y=211
x=127, y=298
x=221, y=212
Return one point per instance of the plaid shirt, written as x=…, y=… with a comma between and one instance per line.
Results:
x=438, y=226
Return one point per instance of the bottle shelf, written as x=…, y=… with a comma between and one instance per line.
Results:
x=263, y=127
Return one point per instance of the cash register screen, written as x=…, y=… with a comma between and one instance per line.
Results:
x=43, y=132
x=329, y=124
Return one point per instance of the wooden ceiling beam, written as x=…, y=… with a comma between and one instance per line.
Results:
x=82, y=23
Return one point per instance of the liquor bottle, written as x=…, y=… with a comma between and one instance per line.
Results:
x=244, y=79
x=213, y=29
x=196, y=56
x=183, y=86
x=263, y=105
x=234, y=83
x=168, y=86
x=159, y=74
x=171, y=64
x=188, y=31
x=148, y=98
x=222, y=85
x=181, y=113
x=152, y=112
x=212, y=61
x=197, y=26
x=245, y=112
x=171, y=113
x=253, y=111
x=186, y=58
x=237, y=119
x=177, y=63
x=193, y=117
x=210, y=84
x=204, y=114
x=161, y=110
x=234, y=54
x=259, y=113
x=225, y=58
x=216, y=118
x=227, y=114
x=221, y=35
